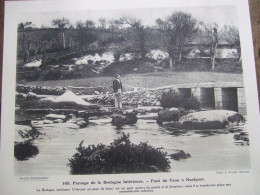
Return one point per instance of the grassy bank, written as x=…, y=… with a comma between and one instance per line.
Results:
x=147, y=80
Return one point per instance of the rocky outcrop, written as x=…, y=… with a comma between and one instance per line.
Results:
x=55, y=116
x=180, y=154
x=242, y=138
x=40, y=90
x=188, y=125
x=169, y=114
x=213, y=119
x=124, y=118
x=82, y=122
x=141, y=98
x=222, y=116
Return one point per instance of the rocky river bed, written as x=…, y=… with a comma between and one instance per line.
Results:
x=209, y=150
x=52, y=128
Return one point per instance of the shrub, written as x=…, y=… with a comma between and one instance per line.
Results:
x=171, y=99
x=121, y=156
x=191, y=103
x=23, y=151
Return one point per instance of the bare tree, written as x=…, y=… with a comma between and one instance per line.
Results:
x=209, y=37
x=214, y=45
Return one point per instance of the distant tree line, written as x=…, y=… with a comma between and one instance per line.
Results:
x=172, y=34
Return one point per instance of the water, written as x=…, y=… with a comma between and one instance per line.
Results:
x=57, y=144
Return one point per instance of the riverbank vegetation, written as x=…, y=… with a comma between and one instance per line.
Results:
x=125, y=45
x=121, y=156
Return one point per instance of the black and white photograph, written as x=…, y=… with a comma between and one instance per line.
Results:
x=138, y=90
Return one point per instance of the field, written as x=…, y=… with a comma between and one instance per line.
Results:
x=147, y=80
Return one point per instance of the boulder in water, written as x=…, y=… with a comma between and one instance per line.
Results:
x=124, y=118
x=222, y=116
x=180, y=155
x=55, y=117
x=169, y=114
x=82, y=122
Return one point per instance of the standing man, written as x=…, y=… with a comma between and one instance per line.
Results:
x=117, y=86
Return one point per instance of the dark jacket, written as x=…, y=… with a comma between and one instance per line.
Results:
x=117, y=85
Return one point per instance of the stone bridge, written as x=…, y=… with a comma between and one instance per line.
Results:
x=222, y=95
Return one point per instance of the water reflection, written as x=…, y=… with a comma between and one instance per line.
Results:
x=210, y=150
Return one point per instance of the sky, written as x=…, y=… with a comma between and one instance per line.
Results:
x=222, y=15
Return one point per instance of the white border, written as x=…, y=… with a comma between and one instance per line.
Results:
x=241, y=184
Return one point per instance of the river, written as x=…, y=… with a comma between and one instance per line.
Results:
x=209, y=150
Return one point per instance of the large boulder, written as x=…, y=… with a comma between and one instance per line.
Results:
x=54, y=117
x=222, y=116
x=169, y=114
x=82, y=122
x=213, y=119
x=180, y=154
x=124, y=118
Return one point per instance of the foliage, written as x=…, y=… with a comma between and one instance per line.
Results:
x=232, y=37
x=23, y=151
x=191, y=103
x=172, y=98
x=178, y=29
x=121, y=156
x=86, y=36
x=25, y=25
x=61, y=23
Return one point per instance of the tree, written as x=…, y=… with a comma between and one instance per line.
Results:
x=234, y=39
x=179, y=29
x=62, y=24
x=79, y=24
x=214, y=45
x=102, y=23
x=90, y=24
x=25, y=25
x=85, y=34
x=139, y=31
x=210, y=38
x=169, y=40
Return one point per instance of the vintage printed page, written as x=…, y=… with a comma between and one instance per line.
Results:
x=113, y=97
